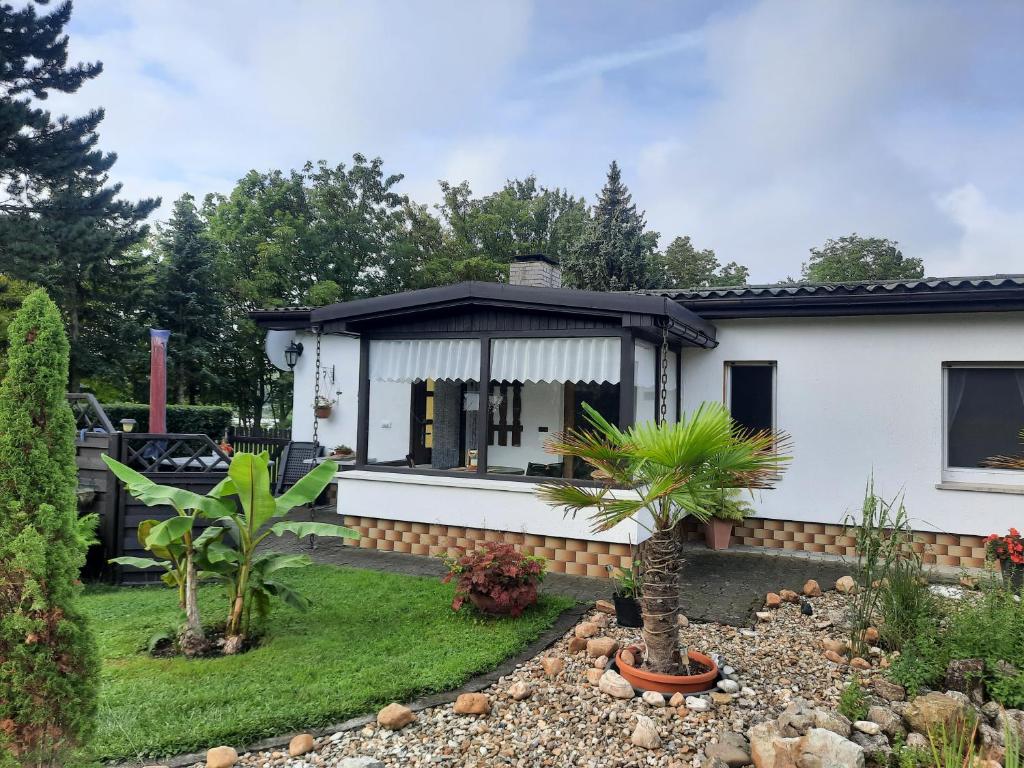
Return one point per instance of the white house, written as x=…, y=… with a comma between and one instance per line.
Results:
x=917, y=383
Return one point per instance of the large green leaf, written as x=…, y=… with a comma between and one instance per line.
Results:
x=278, y=561
x=301, y=529
x=140, y=562
x=250, y=474
x=287, y=595
x=307, y=488
x=153, y=494
x=169, y=531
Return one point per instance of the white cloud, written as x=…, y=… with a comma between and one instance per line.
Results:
x=990, y=235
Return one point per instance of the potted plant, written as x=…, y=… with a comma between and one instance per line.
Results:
x=495, y=577
x=729, y=508
x=627, y=594
x=1008, y=551
x=342, y=453
x=670, y=470
x=322, y=407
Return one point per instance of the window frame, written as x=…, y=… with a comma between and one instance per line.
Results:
x=728, y=366
x=973, y=475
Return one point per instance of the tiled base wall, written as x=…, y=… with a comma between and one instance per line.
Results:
x=580, y=557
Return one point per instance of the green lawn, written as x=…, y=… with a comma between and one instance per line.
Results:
x=370, y=638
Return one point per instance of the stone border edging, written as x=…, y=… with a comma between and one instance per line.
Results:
x=565, y=621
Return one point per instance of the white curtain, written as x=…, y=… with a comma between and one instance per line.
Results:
x=557, y=360
x=440, y=359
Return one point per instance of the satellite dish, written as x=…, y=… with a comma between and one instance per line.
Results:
x=275, y=345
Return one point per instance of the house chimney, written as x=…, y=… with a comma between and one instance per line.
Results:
x=535, y=269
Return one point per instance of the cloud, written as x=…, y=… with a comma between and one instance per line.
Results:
x=590, y=66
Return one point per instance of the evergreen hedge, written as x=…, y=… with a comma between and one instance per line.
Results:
x=49, y=669
x=212, y=420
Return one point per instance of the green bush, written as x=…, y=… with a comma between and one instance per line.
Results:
x=908, y=608
x=852, y=702
x=212, y=420
x=49, y=670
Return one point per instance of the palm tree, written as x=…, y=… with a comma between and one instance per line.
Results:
x=674, y=470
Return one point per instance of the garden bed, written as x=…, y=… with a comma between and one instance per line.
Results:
x=368, y=639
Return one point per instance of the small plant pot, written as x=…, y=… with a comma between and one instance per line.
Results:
x=718, y=533
x=627, y=611
x=685, y=684
x=487, y=604
x=322, y=411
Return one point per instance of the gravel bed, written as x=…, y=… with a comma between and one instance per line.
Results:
x=568, y=722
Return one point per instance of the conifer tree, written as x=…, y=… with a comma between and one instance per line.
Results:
x=48, y=661
x=616, y=251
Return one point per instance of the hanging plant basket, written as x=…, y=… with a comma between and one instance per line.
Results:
x=322, y=411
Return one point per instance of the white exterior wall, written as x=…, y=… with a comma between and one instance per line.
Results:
x=865, y=394
x=343, y=353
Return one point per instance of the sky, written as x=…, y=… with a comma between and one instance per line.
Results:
x=759, y=128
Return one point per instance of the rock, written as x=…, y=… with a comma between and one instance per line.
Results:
x=645, y=734
x=395, y=716
x=837, y=646
x=601, y=646
x=890, y=723
x=472, y=704
x=858, y=663
x=868, y=727
x=888, y=690
x=789, y=596
x=594, y=675
x=720, y=699
x=615, y=685
x=795, y=722
x=300, y=745
x=360, y=762
x=605, y=606
x=875, y=746
x=811, y=588
x=968, y=677
x=586, y=629
x=221, y=757
x=677, y=700
x=600, y=620
x=764, y=615
x=728, y=686
x=628, y=658
x=918, y=741
x=552, y=665
x=732, y=749
x=991, y=743
x=697, y=704
x=653, y=698
x=519, y=691
x=825, y=749
x=846, y=585
x=870, y=636
x=772, y=600
x=577, y=644
x=832, y=721
x=601, y=662
x=835, y=658
x=933, y=709
x=682, y=621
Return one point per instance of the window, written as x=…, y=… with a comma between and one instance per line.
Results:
x=750, y=394
x=984, y=414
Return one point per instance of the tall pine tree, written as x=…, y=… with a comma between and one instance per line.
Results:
x=616, y=251
x=62, y=225
x=187, y=301
x=48, y=662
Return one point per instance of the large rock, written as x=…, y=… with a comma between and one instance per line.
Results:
x=836, y=722
x=300, y=745
x=646, y=733
x=846, y=585
x=601, y=646
x=773, y=600
x=732, y=749
x=968, y=677
x=890, y=723
x=395, y=716
x=552, y=665
x=888, y=690
x=594, y=675
x=818, y=748
x=811, y=588
x=586, y=629
x=933, y=709
x=605, y=606
x=577, y=644
x=472, y=704
x=653, y=698
x=221, y=757
x=519, y=690
x=615, y=685
x=789, y=596
x=875, y=746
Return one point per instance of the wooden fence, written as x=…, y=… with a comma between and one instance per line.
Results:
x=254, y=440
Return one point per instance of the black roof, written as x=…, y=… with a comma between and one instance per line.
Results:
x=870, y=297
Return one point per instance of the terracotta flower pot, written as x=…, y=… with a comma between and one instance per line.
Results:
x=718, y=533
x=487, y=604
x=322, y=411
x=651, y=681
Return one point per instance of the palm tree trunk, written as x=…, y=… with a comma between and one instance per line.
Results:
x=660, y=602
x=191, y=639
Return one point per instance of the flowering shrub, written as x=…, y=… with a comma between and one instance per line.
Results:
x=1009, y=547
x=497, y=573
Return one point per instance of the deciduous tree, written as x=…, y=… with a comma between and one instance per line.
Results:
x=683, y=266
x=854, y=258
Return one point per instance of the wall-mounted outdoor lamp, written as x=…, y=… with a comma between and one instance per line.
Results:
x=127, y=425
x=292, y=353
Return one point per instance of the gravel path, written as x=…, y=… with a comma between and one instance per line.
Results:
x=568, y=722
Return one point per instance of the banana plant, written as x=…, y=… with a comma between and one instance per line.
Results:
x=172, y=542
x=250, y=577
